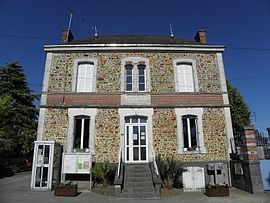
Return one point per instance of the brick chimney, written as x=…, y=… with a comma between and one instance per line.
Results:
x=200, y=36
x=67, y=36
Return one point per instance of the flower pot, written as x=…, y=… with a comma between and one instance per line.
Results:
x=215, y=191
x=70, y=191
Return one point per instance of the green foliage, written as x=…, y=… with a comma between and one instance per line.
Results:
x=18, y=114
x=169, y=169
x=105, y=172
x=239, y=110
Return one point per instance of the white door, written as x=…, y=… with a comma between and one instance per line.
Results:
x=193, y=179
x=136, y=145
x=42, y=163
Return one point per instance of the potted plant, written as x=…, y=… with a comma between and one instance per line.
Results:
x=215, y=190
x=66, y=189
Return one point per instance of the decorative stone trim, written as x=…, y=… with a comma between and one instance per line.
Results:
x=72, y=112
x=186, y=111
x=75, y=70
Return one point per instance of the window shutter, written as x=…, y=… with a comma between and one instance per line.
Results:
x=85, y=77
x=185, y=78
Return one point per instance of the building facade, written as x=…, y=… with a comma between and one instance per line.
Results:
x=140, y=96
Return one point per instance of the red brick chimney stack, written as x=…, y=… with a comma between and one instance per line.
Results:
x=67, y=36
x=201, y=36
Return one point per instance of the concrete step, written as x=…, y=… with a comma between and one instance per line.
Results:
x=138, y=179
x=138, y=184
x=131, y=190
x=137, y=166
x=145, y=195
x=129, y=174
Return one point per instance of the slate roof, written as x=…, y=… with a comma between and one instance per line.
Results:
x=135, y=39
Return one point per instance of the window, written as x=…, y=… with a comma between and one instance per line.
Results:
x=185, y=77
x=135, y=75
x=190, y=132
x=85, y=77
x=128, y=77
x=81, y=132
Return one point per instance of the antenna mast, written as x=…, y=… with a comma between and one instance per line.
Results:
x=96, y=32
x=171, y=30
x=70, y=19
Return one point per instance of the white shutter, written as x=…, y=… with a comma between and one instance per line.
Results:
x=185, y=78
x=85, y=77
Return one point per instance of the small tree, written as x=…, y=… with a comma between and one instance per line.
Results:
x=105, y=172
x=239, y=110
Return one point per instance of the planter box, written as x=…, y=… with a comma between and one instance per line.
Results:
x=70, y=191
x=217, y=191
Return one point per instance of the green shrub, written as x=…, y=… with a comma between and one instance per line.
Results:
x=105, y=172
x=169, y=169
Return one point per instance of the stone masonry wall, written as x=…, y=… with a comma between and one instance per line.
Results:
x=109, y=70
x=214, y=131
x=107, y=135
x=56, y=126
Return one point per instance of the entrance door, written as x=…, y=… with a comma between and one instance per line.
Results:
x=136, y=146
x=42, y=161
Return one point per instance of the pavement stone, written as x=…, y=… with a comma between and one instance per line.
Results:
x=17, y=189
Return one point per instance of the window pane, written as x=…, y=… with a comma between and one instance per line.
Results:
x=141, y=79
x=127, y=119
x=185, y=133
x=193, y=133
x=135, y=135
x=38, y=177
x=86, y=133
x=129, y=79
x=143, y=153
x=141, y=87
x=128, y=70
x=134, y=119
x=45, y=177
x=143, y=119
x=46, y=154
x=127, y=153
x=135, y=153
x=128, y=87
x=141, y=69
x=77, y=136
x=142, y=135
x=127, y=135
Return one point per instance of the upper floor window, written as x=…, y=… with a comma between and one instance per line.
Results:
x=185, y=75
x=135, y=74
x=85, y=77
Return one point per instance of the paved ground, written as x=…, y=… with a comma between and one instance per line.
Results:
x=17, y=189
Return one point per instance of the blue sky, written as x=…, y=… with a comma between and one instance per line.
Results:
x=242, y=26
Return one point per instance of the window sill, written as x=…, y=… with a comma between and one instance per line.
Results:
x=181, y=151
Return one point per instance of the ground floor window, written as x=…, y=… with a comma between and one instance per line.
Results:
x=190, y=132
x=81, y=132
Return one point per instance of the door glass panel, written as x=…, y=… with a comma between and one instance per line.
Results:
x=134, y=119
x=185, y=133
x=135, y=135
x=142, y=135
x=86, y=133
x=135, y=153
x=40, y=154
x=38, y=177
x=193, y=133
x=143, y=153
x=127, y=150
x=143, y=120
x=45, y=177
x=77, y=137
x=127, y=135
x=46, y=154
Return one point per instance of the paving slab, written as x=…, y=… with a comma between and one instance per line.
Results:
x=17, y=189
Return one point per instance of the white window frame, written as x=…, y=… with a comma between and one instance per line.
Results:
x=188, y=118
x=72, y=113
x=79, y=61
x=192, y=62
x=135, y=74
x=83, y=118
x=198, y=112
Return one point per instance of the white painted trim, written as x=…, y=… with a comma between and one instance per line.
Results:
x=194, y=70
x=135, y=61
x=229, y=129
x=48, y=65
x=41, y=124
x=225, y=99
x=221, y=72
x=148, y=112
x=186, y=111
x=90, y=47
x=75, y=70
x=72, y=112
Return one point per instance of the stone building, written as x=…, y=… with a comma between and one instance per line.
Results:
x=139, y=96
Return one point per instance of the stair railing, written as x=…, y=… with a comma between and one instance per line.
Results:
x=154, y=161
x=119, y=161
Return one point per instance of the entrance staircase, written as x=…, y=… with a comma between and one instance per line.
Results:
x=138, y=181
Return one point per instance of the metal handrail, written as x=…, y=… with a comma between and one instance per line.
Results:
x=154, y=161
x=119, y=161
